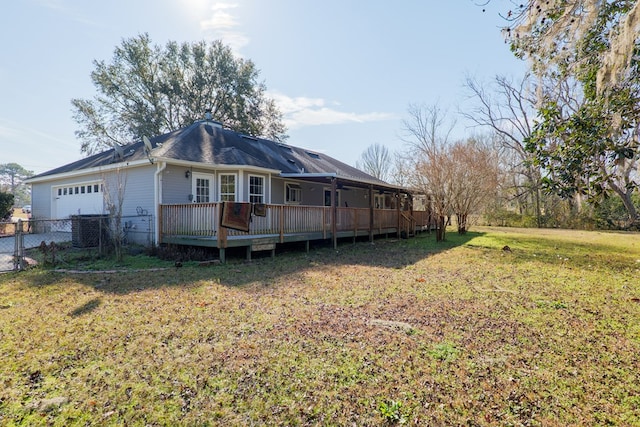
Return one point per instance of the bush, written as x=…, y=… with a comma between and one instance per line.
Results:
x=610, y=214
x=6, y=205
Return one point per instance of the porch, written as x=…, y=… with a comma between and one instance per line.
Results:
x=198, y=224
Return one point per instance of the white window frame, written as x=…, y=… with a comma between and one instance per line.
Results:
x=292, y=188
x=259, y=195
x=194, y=180
x=224, y=197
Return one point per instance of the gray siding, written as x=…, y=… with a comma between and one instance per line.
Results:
x=175, y=187
x=355, y=197
x=137, y=187
x=312, y=193
x=41, y=201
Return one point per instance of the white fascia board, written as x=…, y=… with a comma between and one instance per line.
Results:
x=87, y=171
x=309, y=175
x=200, y=165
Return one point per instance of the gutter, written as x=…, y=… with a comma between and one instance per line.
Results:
x=329, y=175
x=79, y=172
x=310, y=175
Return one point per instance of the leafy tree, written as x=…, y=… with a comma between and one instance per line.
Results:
x=376, y=161
x=12, y=177
x=592, y=149
x=6, y=205
x=148, y=90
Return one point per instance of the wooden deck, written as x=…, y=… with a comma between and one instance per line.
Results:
x=198, y=224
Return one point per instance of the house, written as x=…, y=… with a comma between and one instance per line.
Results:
x=179, y=183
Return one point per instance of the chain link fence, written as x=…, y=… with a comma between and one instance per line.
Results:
x=81, y=231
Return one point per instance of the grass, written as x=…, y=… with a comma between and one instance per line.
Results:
x=397, y=332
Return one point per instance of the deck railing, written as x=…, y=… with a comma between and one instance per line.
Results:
x=202, y=220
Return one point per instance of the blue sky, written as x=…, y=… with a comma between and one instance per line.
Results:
x=343, y=72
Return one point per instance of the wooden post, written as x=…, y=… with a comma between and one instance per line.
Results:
x=159, y=237
x=222, y=239
x=281, y=214
x=371, y=213
x=397, y=196
x=324, y=223
x=334, y=211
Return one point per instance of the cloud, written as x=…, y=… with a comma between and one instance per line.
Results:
x=223, y=25
x=63, y=9
x=302, y=111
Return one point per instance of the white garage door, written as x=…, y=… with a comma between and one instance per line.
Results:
x=77, y=199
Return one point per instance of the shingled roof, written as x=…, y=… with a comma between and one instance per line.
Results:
x=209, y=143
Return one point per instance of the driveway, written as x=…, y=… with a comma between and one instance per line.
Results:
x=7, y=245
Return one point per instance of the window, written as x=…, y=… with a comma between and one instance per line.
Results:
x=202, y=190
x=227, y=188
x=293, y=193
x=59, y=191
x=77, y=190
x=89, y=187
x=95, y=188
x=82, y=187
x=327, y=197
x=256, y=189
x=65, y=191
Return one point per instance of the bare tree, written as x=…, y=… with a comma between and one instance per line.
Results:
x=376, y=161
x=474, y=174
x=114, y=191
x=507, y=108
x=427, y=139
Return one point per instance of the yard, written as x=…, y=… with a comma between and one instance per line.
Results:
x=499, y=327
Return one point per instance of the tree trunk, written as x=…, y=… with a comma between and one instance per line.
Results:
x=625, y=196
x=441, y=227
x=462, y=223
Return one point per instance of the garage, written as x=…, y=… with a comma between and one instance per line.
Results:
x=77, y=199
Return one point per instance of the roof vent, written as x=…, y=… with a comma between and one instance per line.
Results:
x=208, y=118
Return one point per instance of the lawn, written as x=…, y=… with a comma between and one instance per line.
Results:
x=468, y=332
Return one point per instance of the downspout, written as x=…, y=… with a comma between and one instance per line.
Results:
x=157, y=198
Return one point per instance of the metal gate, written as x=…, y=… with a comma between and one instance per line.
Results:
x=11, y=245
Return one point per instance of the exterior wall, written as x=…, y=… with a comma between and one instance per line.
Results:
x=137, y=188
x=312, y=193
x=268, y=190
x=175, y=187
x=137, y=198
x=41, y=201
x=354, y=197
x=43, y=197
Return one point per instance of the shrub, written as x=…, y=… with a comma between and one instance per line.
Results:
x=6, y=205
